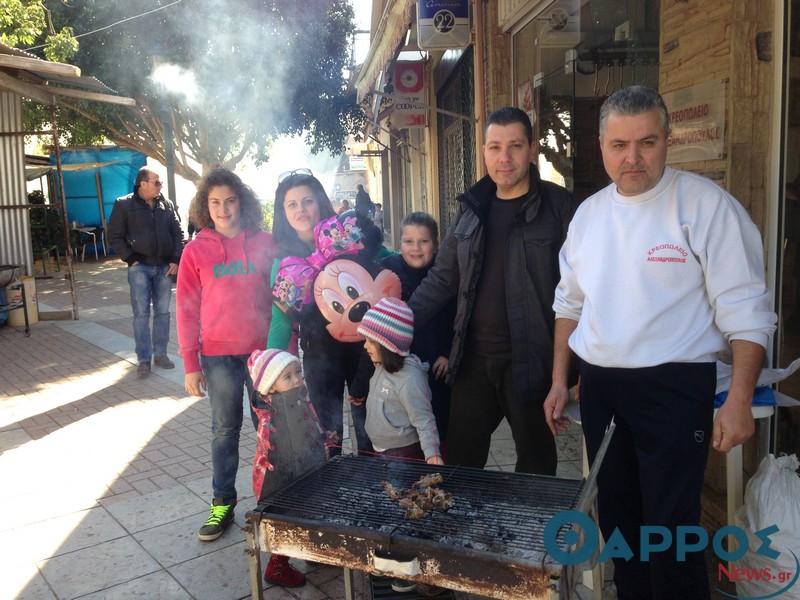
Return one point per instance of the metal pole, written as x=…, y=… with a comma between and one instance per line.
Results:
x=169, y=151
x=480, y=87
x=64, y=218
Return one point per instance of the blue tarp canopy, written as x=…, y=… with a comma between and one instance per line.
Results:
x=100, y=176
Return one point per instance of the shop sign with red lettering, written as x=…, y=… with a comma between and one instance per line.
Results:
x=410, y=107
x=697, y=122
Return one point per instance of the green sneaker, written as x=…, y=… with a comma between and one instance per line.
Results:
x=219, y=518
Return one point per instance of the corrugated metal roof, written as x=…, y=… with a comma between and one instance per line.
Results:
x=84, y=81
x=6, y=49
x=44, y=75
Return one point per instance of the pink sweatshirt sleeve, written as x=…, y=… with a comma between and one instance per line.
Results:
x=187, y=310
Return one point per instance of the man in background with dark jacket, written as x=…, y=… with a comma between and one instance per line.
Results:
x=144, y=231
x=499, y=260
x=364, y=205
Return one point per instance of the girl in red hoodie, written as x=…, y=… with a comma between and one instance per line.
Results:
x=223, y=307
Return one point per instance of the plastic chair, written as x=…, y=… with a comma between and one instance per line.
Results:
x=88, y=236
x=78, y=242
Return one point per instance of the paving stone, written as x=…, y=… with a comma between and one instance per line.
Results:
x=122, y=466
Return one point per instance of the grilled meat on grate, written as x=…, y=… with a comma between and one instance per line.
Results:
x=422, y=497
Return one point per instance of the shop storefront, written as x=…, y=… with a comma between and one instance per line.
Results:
x=567, y=57
x=740, y=62
x=559, y=59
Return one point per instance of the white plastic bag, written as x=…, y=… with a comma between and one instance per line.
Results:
x=772, y=498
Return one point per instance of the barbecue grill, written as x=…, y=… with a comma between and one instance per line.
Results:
x=490, y=542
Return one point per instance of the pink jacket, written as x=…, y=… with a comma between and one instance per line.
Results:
x=223, y=299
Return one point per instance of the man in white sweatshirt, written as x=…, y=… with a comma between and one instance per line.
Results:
x=660, y=271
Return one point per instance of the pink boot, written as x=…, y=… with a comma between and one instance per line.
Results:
x=280, y=572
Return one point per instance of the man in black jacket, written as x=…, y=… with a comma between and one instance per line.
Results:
x=499, y=260
x=144, y=231
x=364, y=205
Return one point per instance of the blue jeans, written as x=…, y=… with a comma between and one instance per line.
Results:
x=226, y=379
x=150, y=284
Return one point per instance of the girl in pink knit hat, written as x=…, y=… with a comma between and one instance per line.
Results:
x=291, y=441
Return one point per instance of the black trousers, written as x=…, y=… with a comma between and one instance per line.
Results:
x=483, y=393
x=325, y=379
x=653, y=471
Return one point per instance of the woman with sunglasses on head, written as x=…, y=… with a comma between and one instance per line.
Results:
x=223, y=306
x=328, y=364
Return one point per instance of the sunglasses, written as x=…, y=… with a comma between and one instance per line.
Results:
x=156, y=183
x=304, y=172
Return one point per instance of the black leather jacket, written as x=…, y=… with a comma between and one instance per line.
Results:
x=531, y=271
x=136, y=233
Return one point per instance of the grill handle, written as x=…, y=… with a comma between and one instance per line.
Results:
x=589, y=492
x=395, y=567
x=586, y=504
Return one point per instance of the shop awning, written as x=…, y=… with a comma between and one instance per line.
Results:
x=392, y=29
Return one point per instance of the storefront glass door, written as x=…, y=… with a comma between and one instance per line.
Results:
x=567, y=60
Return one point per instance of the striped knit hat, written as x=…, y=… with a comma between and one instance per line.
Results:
x=390, y=323
x=265, y=367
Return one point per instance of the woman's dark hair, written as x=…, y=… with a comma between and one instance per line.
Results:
x=422, y=219
x=250, y=211
x=392, y=362
x=282, y=232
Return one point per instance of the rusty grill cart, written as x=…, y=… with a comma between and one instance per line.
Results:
x=490, y=542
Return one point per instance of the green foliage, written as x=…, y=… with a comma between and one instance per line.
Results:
x=268, y=214
x=61, y=46
x=555, y=118
x=21, y=21
x=241, y=73
x=47, y=229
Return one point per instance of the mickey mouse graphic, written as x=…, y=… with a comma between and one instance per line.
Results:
x=345, y=291
x=284, y=284
x=351, y=229
x=335, y=236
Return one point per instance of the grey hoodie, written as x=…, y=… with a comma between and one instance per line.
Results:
x=399, y=409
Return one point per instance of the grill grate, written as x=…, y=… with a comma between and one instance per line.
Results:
x=493, y=511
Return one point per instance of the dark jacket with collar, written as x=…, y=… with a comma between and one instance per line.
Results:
x=531, y=271
x=137, y=233
x=436, y=339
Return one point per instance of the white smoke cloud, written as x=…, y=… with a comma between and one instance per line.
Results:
x=176, y=81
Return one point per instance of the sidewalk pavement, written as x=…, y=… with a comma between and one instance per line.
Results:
x=106, y=476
